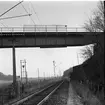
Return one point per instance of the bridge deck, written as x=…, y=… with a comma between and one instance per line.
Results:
x=47, y=39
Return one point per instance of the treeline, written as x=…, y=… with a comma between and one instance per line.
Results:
x=91, y=70
x=5, y=77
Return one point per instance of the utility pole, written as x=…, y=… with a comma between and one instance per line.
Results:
x=54, y=68
x=21, y=69
x=26, y=77
x=44, y=75
x=77, y=58
x=14, y=67
x=59, y=72
x=25, y=70
x=38, y=79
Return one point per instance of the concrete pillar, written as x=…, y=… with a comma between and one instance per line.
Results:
x=14, y=70
x=14, y=65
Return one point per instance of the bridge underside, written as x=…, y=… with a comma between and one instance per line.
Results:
x=49, y=39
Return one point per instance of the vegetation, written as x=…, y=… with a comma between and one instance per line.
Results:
x=91, y=72
x=5, y=77
x=96, y=22
x=32, y=85
x=86, y=96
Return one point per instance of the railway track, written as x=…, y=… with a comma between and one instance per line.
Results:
x=40, y=97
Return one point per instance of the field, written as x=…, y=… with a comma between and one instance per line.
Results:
x=32, y=85
x=4, y=83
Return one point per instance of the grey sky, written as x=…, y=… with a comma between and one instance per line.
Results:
x=71, y=13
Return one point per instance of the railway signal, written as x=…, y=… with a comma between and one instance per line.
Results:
x=23, y=71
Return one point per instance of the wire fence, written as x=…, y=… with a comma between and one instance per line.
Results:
x=42, y=28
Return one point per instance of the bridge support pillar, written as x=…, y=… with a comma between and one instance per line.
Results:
x=14, y=71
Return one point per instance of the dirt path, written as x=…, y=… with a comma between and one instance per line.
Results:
x=73, y=98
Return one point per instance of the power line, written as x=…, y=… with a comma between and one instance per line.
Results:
x=3, y=25
x=15, y=16
x=27, y=12
x=24, y=8
x=35, y=12
x=11, y=8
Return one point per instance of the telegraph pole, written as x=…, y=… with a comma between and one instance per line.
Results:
x=38, y=79
x=44, y=75
x=25, y=70
x=77, y=58
x=26, y=77
x=59, y=72
x=21, y=69
x=54, y=68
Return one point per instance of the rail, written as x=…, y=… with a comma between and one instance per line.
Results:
x=20, y=101
x=42, y=28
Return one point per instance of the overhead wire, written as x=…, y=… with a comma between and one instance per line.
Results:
x=29, y=16
x=11, y=8
x=15, y=16
x=35, y=12
x=8, y=11
x=5, y=26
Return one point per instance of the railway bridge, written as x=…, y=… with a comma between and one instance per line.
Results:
x=45, y=36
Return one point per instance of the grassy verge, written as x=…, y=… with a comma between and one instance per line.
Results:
x=87, y=97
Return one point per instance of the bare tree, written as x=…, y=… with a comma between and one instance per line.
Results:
x=96, y=22
x=87, y=52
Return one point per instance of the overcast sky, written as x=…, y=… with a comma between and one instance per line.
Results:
x=71, y=13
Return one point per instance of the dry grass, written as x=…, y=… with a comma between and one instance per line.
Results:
x=87, y=98
x=4, y=83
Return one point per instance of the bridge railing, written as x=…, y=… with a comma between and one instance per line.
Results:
x=42, y=28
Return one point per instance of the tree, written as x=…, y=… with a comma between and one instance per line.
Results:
x=96, y=22
x=87, y=52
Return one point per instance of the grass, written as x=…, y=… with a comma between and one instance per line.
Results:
x=33, y=86
x=4, y=83
x=87, y=97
